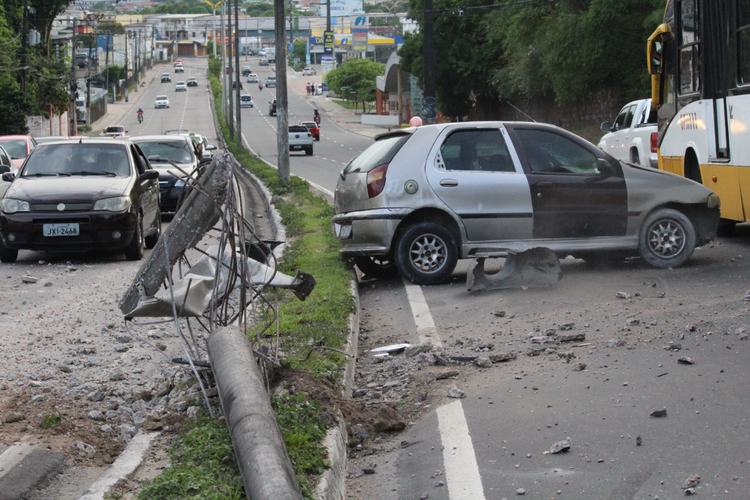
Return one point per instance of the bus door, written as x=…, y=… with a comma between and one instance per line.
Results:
x=714, y=68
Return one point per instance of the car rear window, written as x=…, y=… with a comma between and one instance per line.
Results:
x=297, y=128
x=164, y=150
x=382, y=151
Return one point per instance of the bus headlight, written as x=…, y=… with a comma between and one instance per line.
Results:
x=714, y=201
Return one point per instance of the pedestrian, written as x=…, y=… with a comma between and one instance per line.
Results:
x=307, y=88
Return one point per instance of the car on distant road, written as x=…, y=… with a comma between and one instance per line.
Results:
x=252, y=78
x=18, y=147
x=179, y=68
x=300, y=139
x=180, y=87
x=271, y=82
x=313, y=128
x=164, y=150
x=263, y=62
x=161, y=101
x=309, y=71
x=419, y=199
x=246, y=70
x=272, y=110
x=80, y=195
x=192, y=82
x=246, y=101
x=115, y=131
x=166, y=78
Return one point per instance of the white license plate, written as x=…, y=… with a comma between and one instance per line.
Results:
x=60, y=230
x=295, y=148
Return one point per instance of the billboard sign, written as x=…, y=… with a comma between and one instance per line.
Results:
x=346, y=7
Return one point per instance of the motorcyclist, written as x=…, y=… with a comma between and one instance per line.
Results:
x=316, y=117
x=140, y=115
x=260, y=85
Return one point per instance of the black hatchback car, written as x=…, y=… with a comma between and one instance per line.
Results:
x=81, y=195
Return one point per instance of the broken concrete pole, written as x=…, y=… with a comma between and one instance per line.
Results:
x=264, y=465
x=199, y=213
x=533, y=268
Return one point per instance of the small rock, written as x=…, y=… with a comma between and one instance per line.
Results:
x=96, y=415
x=579, y=367
x=691, y=482
x=685, y=360
x=368, y=471
x=448, y=374
x=571, y=337
x=454, y=392
x=622, y=295
x=659, y=413
x=520, y=491
x=567, y=326
x=438, y=484
x=483, y=363
x=29, y=279
x=673, y=347
x=560, y=447
x=501, y=314
x=13, y=417
x=502, y=357
x=690, y=492
x=638, y=440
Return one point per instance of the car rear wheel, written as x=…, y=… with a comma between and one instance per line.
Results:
x=667, y=239
x=134, y=250
x=154, y=237
x=7, y=255
x=426, y=253
x=376, y=267
x=309, y=151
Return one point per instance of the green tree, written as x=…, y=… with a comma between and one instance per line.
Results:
x=356, y=79
x=259, y=9
x=179, y=7
x=299, y=52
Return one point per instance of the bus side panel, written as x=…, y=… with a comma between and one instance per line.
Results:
x=730, y=183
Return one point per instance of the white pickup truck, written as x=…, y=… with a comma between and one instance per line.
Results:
x=633, y=136
x=300, y=139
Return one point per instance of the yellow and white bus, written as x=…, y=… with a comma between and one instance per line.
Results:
x=699, y=61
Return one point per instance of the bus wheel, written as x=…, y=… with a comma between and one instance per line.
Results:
x=667, y=238
x=692, y=168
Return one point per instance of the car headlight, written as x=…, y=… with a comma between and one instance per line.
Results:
x=119, y=204
x=179, y=183
x=11, y=206
x=714, y=201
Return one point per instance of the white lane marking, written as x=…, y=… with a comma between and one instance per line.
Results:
x=422, y=317
x=461, y=469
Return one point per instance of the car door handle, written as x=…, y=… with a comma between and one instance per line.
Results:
x=449, y=182
x=544, y=184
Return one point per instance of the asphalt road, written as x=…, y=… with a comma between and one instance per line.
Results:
x=495, y=442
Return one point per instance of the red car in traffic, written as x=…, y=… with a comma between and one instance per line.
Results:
x=314, y=129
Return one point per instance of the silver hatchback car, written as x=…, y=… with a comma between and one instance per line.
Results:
x=419, y=199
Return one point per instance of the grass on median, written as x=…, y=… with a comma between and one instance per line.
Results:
x=205, y=468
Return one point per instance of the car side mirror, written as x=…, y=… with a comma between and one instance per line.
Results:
x=606, y=127
x=210, y=147
x=8, y=176
x=4, y=169
x=605, y=168
x=205, y=161
x=150, y=174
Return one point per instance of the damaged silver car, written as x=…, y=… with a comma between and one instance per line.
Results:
x=419, y=199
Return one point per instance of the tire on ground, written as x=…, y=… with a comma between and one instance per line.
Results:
x=134, y=250
x=426, y=253
x=376, y=267
x=667, y=238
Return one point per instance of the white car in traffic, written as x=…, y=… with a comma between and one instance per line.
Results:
x=161, y=101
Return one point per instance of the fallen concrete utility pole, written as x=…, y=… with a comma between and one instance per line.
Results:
x=267, y=473
x=533, y=268
x=200, y=211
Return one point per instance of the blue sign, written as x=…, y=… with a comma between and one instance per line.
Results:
x=291, y=48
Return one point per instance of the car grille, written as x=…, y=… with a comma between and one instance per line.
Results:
x=63, y=220
x=69, y=207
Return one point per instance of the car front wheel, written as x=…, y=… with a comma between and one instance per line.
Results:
x=426, y=253
x=154, y=237
x=667, y=239
x=7, y=255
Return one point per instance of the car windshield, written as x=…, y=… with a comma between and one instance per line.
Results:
x=110, y=130
x=16, y=148
x=163, y=151
x=245, y=98
x=161, y=98
x=78, y=159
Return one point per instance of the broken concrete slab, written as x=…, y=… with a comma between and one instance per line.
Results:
x=537, y=267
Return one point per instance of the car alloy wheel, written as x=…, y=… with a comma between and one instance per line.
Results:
x=667, y=238
x=426, y=253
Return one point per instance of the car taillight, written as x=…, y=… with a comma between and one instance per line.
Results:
x=654, y=141
x=376, y=180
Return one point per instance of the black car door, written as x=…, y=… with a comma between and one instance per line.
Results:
x=575, y=192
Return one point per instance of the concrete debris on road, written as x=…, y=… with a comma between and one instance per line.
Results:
x=673, y=347
x=622, y=295
x=685, y=360
x=579, y=367
x=456, y=393
x=502, y=357
x=659, y=413
x=638, y=440
x=560, y=447
x=446, y=375
x=691, y=482
x=537, y=267
x=390, y=349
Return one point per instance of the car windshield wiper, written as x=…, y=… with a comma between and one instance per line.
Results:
x=94, y=172
x=46, y=174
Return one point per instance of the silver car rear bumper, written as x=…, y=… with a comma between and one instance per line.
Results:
x=368, y=232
